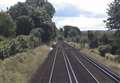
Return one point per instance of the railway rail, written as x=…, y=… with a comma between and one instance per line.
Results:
x=66, y=64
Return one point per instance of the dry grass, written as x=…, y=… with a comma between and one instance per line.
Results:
x=93, y=53
x=19, y=68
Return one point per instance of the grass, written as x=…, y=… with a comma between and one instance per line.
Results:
x=93, y=53
x=19, y=68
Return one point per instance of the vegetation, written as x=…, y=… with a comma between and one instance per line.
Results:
x=19, y=68
x=26, y=25
x=92, y=39
x=70, y=33
x=7, y=26
x=113, y=23
x=19, y=44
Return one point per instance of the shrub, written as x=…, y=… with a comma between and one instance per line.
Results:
x=7, y=25
x=24, y=25
x=18, y=45
x=104, y=49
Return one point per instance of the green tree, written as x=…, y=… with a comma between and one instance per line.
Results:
x=38, y=4
x=35, y=3
x=40, y=17
x=19, y=9
x=7, y=26
x=24, y=25
x=50, y=9
x=49, y=29
x=71, y=31
x=37, y=32
x=92, y=40
x=104, y=39
x=33, y=14
x=113, y=23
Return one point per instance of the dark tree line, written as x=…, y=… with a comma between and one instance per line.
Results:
x=70, y=33
x=23, y=17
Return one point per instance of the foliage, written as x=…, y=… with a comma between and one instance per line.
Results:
x=30, y=23
x=113, y=21
x=71, y=31
x=40, y=17
x=38, y=32
x=49, y=8
x=104, y=49
x=104, y=39
x=19, y=44
x=92, y=39
x=33, y=14
x=35, y=3
x=17, y=10
x=49, y=31
x=24, y=25
x=19, y=68
x=7, y=26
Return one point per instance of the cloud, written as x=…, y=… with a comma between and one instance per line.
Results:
x=68, y=11
x=90, y=13
x=82, y=22
x=96, y=6
x=72, y=11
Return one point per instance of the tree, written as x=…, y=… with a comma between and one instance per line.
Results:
x=7, y=26
x=40, y=17
x=37, y=32
x=113, y=23
x=35, y=3
x=38, y=4
x=104, y=39
x=92, y=39
x=33, y=14
x=19, y=9
x=24, y=25
x=71, y=31
x=50, y=9
x=49, y=31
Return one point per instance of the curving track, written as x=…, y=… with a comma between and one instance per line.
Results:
x=66, y=64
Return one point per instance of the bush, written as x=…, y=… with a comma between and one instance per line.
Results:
x=18, y=45
x=7, y=25
x=24, y=25
x=104, y=49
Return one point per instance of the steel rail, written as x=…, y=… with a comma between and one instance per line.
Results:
x=87, y=69
x=73, y=73
x=117, y=80
x=105, y=70
x=68, y=71
x=53, y=66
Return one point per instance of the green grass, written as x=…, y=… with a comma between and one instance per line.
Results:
x=18, y=69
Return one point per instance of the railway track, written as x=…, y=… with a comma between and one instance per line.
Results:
x=65, y=64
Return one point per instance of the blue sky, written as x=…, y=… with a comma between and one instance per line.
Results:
x=86, y=14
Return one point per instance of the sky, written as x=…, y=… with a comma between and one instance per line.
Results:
x=85, y=14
